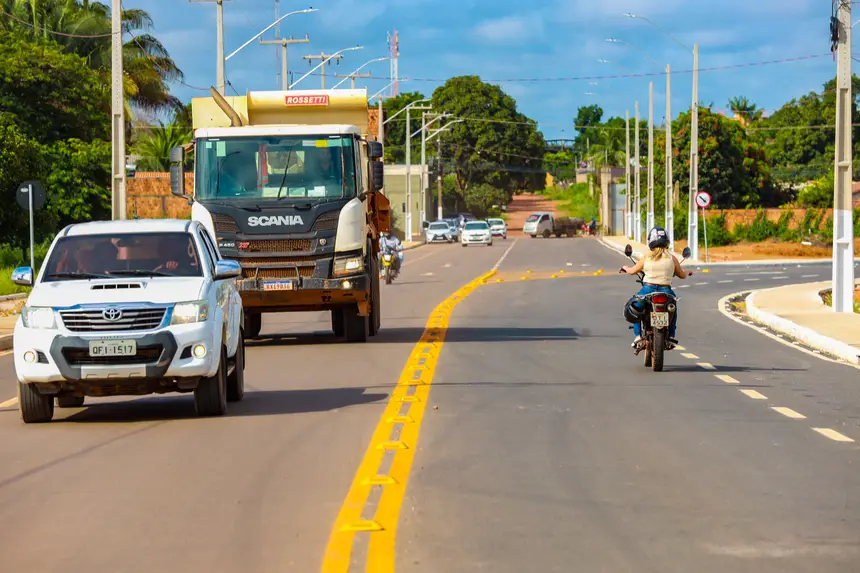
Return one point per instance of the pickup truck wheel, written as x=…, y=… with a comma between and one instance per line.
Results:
x=210, y=396
x=70, y=401
x=337, y=322
x=253, y=324
x=356, y=327
x=35, y=408
x=546, y=233
x=236, y=379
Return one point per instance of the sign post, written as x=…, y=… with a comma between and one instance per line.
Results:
x=703, y=199
x=31, y=196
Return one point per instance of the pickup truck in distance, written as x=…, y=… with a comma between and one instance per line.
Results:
x=129, y=308
x=546, y=224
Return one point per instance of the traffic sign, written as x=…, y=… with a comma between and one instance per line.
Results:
x=703, y=199
x=23, y=195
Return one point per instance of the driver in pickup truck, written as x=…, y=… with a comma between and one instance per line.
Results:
x=176, y=256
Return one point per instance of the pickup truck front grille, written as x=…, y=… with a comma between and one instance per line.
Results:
x=81, y=357
x=92, y=320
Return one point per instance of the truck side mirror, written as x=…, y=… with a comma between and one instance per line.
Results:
x=377, y=175
x=374, y=150
x=177, y=171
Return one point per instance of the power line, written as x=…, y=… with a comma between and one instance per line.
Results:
x=55, y=33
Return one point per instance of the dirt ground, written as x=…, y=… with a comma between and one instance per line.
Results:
x=760, y=251
x=524, y=205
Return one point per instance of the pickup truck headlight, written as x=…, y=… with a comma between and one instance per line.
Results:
x=39, y=317
x=190, y=312
x=349, y=265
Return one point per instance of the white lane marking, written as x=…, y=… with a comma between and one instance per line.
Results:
x=427, y=275
x=689, y=355
x=9, y=403
x=779, y=278
x=726, y=378
x=446, y=266
x=758, y=273
x=699, y=284
x=808, y=276
x=725, y=282
x=751, y=280
x=504, y=255
x=833, y=435
x=753, y=394
x=683, y=286
x=706, y=366
x=788, y=413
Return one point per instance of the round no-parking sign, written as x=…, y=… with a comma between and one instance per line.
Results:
x=702, y=199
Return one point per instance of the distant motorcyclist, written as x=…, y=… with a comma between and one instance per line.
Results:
x=660, y=267
x=389, y=242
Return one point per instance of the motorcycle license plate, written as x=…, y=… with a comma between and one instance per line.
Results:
x=660, y=319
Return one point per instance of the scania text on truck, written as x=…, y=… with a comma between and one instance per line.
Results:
x=289, y=182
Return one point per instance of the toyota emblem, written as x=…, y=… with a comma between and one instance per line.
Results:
x=112, y=314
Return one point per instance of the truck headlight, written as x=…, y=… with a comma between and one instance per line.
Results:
x=190, y=312
x=39, y=317
x=349, y=265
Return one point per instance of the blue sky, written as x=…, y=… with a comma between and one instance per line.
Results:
x=504, y=39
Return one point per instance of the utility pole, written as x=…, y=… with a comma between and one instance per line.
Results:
x=323, y=57
x=693, y=217
x=670, y=207
x=843, y=224
x=284, y=43
x=118, y=200
x=219, y=49
x=650, y=214
x=637, y=203
x=628, y=216
x=353, y=76
x=439, y=178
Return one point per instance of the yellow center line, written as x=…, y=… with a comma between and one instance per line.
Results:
x=9, y=403
x=727, y=379
x=788, y=413
x=689, y=355
x=753, y=394
x=833, y=435
x=706, y=366
x=383, y=527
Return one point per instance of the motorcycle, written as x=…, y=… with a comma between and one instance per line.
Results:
x=656, y=312
x=390, y=265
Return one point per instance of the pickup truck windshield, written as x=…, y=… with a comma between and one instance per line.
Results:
x=294, y=168
x=128, y=255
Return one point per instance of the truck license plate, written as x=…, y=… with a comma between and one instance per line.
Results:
x=279, y=285
x=660, y=319
x=100, y=348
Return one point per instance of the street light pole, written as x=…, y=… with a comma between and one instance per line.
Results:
x=670, y=187
x=355, y=71
x=325, y=60
x=628, y=217
x=409, y=168
x=637, y=204
x=693, y=232
x=843, y=224
x=650, y=214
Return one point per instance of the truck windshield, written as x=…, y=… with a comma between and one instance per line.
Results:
x=276, y=168
x=124, y=255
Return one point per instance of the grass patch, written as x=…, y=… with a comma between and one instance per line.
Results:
x=6, y=284
x=827, y=297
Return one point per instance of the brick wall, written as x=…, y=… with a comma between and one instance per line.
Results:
x=747, y=216
x=149, y=197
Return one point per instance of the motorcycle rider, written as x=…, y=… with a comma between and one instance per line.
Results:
x=660, y=267
x=392, y=243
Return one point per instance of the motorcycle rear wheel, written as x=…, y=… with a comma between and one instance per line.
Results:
x=659, y=347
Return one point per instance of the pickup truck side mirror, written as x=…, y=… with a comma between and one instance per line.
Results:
x=227, y=269
x=377, y=175
x=177, y=171
x=23, y=276
x=374, y=150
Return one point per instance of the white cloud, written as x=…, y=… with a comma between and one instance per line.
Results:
x=510, y=29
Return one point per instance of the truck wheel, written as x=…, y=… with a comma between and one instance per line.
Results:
x=546, y=233
x=236, y=379
x=532, y=236
x=70, y=401
x=253, y=324
x=375, y=302
x=210, y=396
x=337, y=322
x=35, y=408
x=356, y=328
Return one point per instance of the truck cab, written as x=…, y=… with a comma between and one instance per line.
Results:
x=295, y=200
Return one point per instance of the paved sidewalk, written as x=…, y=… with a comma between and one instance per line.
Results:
x=798, y=311
x=7, y=325
x=618, y=242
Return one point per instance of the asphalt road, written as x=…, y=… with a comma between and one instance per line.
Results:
x=545, y=445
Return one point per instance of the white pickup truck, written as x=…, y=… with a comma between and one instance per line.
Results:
x=128, y=308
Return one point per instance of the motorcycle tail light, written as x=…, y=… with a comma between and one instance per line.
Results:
x=659, y=299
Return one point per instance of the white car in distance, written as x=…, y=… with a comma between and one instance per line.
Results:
x=128, y=308
x=476, y=233
x=498, y=228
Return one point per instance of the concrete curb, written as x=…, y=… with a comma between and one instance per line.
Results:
x=806, y=335
x=17, y=296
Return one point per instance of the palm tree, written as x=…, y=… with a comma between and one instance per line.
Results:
x=155, y=145
x=85, y=27
x=745, y=111
x=610, y=151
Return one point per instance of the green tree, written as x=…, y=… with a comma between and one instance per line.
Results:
x=155, y=145
x=745, y=110
x=561, y=165
x=20, y=160
x=495, y=144
x=395, y=130
x=78, y=181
